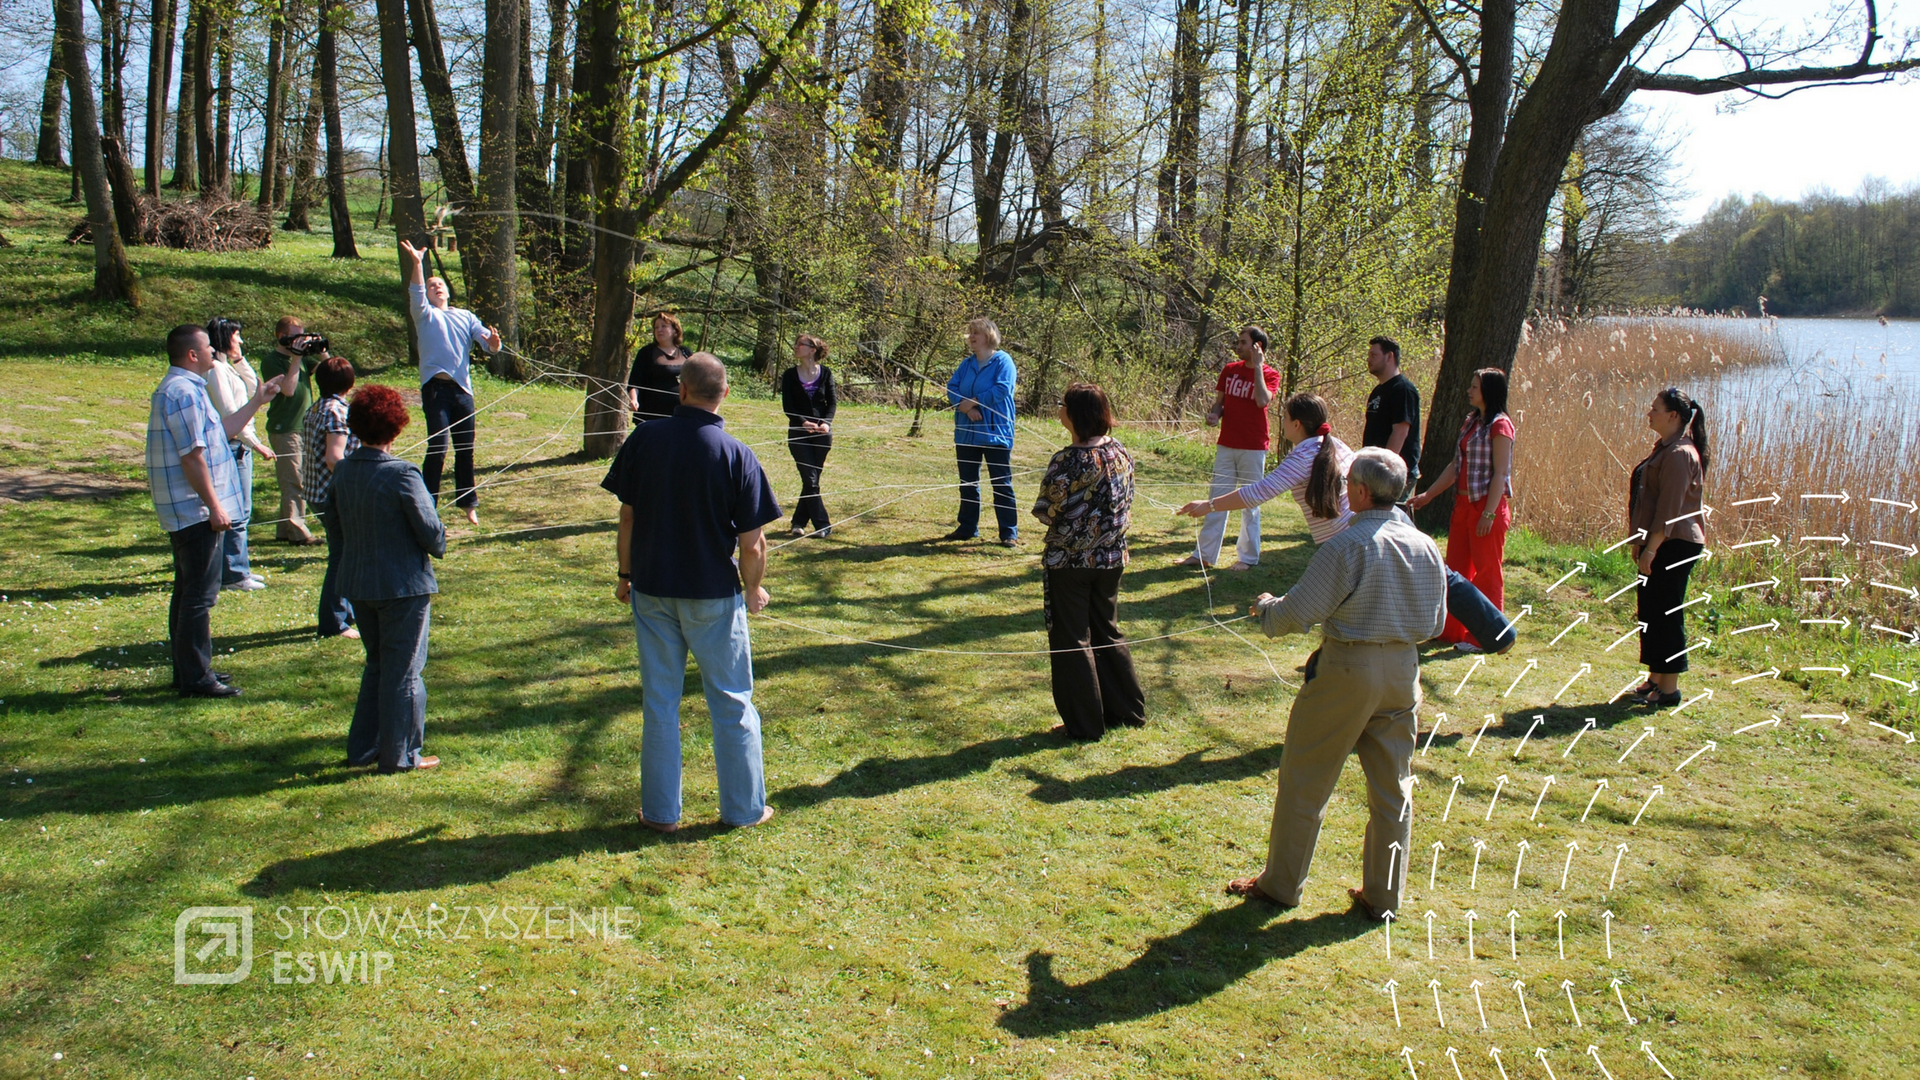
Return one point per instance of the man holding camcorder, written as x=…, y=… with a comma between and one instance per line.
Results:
x=285, y=414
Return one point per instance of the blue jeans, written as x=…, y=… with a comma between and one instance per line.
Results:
x=715, y=631
x=336, y=611
x=234, y=567
x=1000, y=473
x=1467, y=603
x=390, y=717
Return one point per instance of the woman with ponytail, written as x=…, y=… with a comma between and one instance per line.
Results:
x=1663, y=498
x=1315, y=471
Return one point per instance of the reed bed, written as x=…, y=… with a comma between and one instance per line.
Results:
x=1826, y=427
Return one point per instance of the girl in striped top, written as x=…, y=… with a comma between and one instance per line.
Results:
x=1315, y=471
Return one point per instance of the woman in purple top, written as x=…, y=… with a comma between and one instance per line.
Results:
x=807, y=395
x=1086, y=503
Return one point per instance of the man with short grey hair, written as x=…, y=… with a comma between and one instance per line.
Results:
x=1378, y=590
x=692, y=495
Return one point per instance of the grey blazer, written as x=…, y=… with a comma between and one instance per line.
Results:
x=388, y=527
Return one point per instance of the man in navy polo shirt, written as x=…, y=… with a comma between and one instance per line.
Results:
x=689, y=494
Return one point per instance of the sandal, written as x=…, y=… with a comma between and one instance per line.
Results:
x=1658, y=700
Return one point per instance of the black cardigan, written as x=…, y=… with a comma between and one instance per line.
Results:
x=800, y=405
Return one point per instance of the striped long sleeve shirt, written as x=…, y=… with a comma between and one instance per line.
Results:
x=1379, y=580
x=1292, y=475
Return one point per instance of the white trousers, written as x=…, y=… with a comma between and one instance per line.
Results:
x=1232, y=470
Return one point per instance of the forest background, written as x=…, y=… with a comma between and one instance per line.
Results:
x=1121, y=183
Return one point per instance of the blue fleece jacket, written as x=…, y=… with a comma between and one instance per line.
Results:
x=991, y=385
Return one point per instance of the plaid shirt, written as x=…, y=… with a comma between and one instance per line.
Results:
x=182, y=419
x=1380, y=580
x=328, y=416
x=1476, y=454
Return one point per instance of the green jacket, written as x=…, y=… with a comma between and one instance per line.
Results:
x=286, y=412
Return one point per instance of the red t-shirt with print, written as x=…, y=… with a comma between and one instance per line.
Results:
x=1243, y=426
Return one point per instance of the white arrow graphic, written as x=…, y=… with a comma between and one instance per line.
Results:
x=1843, y=539
x=1520, y=856
x=1577, y=620
x=1912, y=687
x=1498, y=783
x=1478, y=1004
x=1525, y=610
x=1770, y=583
x=1520, y=988
x=1840, y=716
x=1578, y=568
x=1541, y=1053
x=1470, y=917
x=1646, y=1047
x=1770, y=624
x=1542, y=798
x=1560, y=931
x=1703, y=643
x=1911, y=594
x=1651, y=795
x=1608, y=917
x=1704, y=695
x=1638, y=534
x=1770, y=673
x=1473, y=879
x=1513, y=934
x=1538, y=719
x=1911, y=506
x=1771, y=541
x=1434, y=985
x=1531, y=664
x=1620, y=852
x=1891, y=731
x=1701, y=599
x=1771, y=721
x=1622, y=998
x=1910, y=635
x=1388, y=918
x=1594, y=1053
x=1435, y=868
x=1636, y=742
x=1438, y=720
x=1638, y=628
x=1772, y=499
x=1638, y=580
x=1494, y=1053
x=1635, y=681
x=1572, y=846
x=1484, y=724
x=1910, y=549
x=1576, y=736
x=1843, y=670
x=1842, y=497
x=1843, y=580
x=1703, y=513
x=1711, y=745
x=1407, y=1052
x=1585, y=668
x=1392, y=991
x=1430, y=938
x=1597, y=785
x=1567, y=985
x=1477, y=661
x=1393, y=860
x=1454, y=1056
x=1842, y=622
x=1457, y=781
x=1708, y=554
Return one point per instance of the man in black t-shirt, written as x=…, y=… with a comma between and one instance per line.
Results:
x=1393, y=408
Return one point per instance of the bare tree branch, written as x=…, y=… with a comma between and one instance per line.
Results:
x=1440, y=38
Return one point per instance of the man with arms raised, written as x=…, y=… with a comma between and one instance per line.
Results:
x=690, y=495
x=447, y=337
x=1378, y=590
x=191, y=474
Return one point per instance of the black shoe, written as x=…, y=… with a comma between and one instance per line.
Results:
x=214, y=689
x=961, y=534
x=219, y=676
x=1663, y=701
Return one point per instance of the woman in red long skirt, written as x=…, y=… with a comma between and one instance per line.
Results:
x=1483, y=466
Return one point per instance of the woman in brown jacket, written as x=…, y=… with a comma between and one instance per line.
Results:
x=1664, y=499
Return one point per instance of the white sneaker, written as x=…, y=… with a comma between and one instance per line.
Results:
x=245, y=585
x=258, y=580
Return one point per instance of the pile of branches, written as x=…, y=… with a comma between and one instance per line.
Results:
x=195, y=225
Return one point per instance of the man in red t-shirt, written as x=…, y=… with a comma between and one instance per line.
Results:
x=1245, y=389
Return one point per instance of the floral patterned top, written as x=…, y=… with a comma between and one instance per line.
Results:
x=1087, y=501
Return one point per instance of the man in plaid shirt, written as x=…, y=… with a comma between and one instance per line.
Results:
x=191, y=474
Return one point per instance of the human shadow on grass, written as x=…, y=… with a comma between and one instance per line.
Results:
x=157, y=654
x=875, y=777
x=1193, y=769
x=1218, y=950
x=425, y=859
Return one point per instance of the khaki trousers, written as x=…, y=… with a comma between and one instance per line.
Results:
x=1361, y=700
x=293, y=503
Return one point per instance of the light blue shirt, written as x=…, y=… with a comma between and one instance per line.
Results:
x=991, y=384
x=447, y=337
x=182, y=419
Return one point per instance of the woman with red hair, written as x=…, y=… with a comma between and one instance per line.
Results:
x=390, y=535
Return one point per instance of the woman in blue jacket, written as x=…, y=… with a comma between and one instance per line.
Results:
x=981, y=393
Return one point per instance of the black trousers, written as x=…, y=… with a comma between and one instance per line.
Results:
x=1666, y=588
x=1094, y=687
x=196, y=586
x=449, y=411
x=810, y=457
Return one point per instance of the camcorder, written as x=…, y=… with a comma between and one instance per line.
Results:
x=304, y=344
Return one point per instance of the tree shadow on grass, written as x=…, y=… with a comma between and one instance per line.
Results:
x=1188, y=770
x=156, y=653
x=875, y=777
x=424, y=859
x=1218, y=950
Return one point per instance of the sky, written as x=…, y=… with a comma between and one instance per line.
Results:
x=1828, y=137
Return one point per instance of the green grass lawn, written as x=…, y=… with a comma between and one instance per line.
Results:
x=947, y=890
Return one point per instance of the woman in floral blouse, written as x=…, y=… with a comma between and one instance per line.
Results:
x=1086, y=502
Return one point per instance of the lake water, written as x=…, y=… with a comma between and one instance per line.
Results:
x=1860, y=344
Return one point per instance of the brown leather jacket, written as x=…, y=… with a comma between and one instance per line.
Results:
x=1666, y=485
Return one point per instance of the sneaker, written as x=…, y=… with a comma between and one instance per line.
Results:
x=1467, y=647
x=960, y=534
x=246, y=584
x=258, y=580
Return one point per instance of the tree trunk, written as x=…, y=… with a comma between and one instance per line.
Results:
x=126, y=193
x=494, y=282
x=47, y=148
x=403, y=143
x=223, y=113
x=276, y=90
x=159, y=85
x=305, y=158
x=450, y=149
x=186, y=135
x=610, y=116
x=201, y=78
x=745, y=218
x=113, y=63
x=576, y=149
x=112, y=276
x=544, y=237
x=338, y=216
